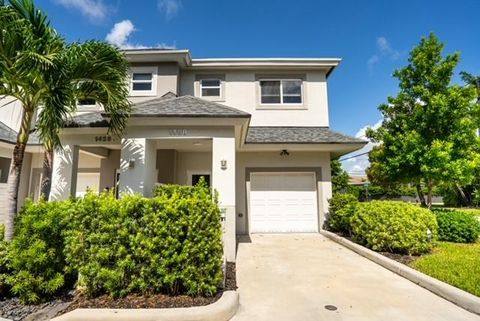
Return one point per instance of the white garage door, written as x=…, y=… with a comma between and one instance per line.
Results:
x=283, y=202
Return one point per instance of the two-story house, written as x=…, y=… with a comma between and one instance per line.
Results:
x=256, y=129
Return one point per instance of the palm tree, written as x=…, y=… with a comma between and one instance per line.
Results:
x=473, y=81
x=47, y=76
x=91, y=70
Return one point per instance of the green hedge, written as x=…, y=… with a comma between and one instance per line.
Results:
x=341, y=210
x=395, y=227
x=5, y=269
x=36, y=253
x=457, y=226
x=168, y=244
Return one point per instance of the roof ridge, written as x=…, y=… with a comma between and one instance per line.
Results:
x=215, y=103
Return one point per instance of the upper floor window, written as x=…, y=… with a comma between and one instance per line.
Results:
x=281, y=91
x=143, y=81
x=87, y=102
x=210, y=87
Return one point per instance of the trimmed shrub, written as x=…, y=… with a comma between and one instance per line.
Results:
x=341, y=209
x=457, y=226
x=5, y=269
x=168, y=244
x=36, y=251
x=395, y=227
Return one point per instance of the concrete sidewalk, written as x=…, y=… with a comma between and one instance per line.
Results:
x=293, y=277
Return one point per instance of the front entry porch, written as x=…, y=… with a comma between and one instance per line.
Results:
x=137, y=164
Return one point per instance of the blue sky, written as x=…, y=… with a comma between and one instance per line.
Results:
x=372, y=37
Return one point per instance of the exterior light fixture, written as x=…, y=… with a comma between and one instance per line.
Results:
x=131, y=163
x=223, y=164
x=284, y=153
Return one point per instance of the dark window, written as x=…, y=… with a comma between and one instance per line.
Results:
x=210, y=87
x=142, y=81
x=281, y=91
x=196, y=179
x=86, y=102
x=4, y=168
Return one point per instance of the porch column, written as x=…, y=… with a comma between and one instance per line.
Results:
x=138, y=166
x=223, y=181
x=64, y=172
x=325, y=191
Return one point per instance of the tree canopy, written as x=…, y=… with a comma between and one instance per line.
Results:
x=428, y=135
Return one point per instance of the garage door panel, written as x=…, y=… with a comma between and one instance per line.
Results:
x=283, y=202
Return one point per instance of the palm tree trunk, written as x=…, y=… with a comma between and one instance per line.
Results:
x=16, y=171
x=47, y=173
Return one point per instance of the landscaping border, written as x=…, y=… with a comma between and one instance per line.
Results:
x=459, y=297
x=222, y=310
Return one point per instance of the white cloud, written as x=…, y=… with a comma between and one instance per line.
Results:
x=356, y=166
x=120, y=33
x=384, y=49
x=169, y=7
x=93, y=9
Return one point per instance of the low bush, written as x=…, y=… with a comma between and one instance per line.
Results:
x=5, y=269
x=36, y=254
x=169, y=244
x=457, y=226
x=341, y=209
x=395, y=227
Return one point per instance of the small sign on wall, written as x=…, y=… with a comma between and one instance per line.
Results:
x=178, y=132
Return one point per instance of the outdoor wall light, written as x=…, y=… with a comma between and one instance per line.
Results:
x=131, y=163
x=223, y=164
x=284, y=153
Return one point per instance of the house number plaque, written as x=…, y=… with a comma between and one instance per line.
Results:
x=178, y=132
x=103, y=138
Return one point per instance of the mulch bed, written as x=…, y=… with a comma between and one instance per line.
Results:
x=401, y=258
x=11, y=308
x=153, y=301
x=404, y=259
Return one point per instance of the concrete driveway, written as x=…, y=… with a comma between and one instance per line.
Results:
x=293, y=277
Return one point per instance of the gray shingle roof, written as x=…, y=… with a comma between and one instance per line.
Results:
x=7, y=134
x=94, y=119
x=298, y=135
x=166, y=106
x=185, y=106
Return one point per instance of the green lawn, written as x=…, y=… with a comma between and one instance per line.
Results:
x=453, y=263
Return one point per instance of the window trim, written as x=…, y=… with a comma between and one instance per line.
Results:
x=211, y=87
x=153, y=70
x=281, y=103
x=87, y=107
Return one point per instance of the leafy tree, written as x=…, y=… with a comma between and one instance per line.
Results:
x=47, y=76
x=339, y=177
x=473, y=81
x=428, y=135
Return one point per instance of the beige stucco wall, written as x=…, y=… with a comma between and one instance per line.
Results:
x=167, y=80
x=273, y=159
x=194, y=162
x=242, y=92
x=108, y=168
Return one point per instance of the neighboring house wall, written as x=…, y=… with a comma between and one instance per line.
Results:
x=273, y=159
x=242, y=91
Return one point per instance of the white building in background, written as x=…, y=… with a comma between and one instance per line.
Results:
x=256, y=129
